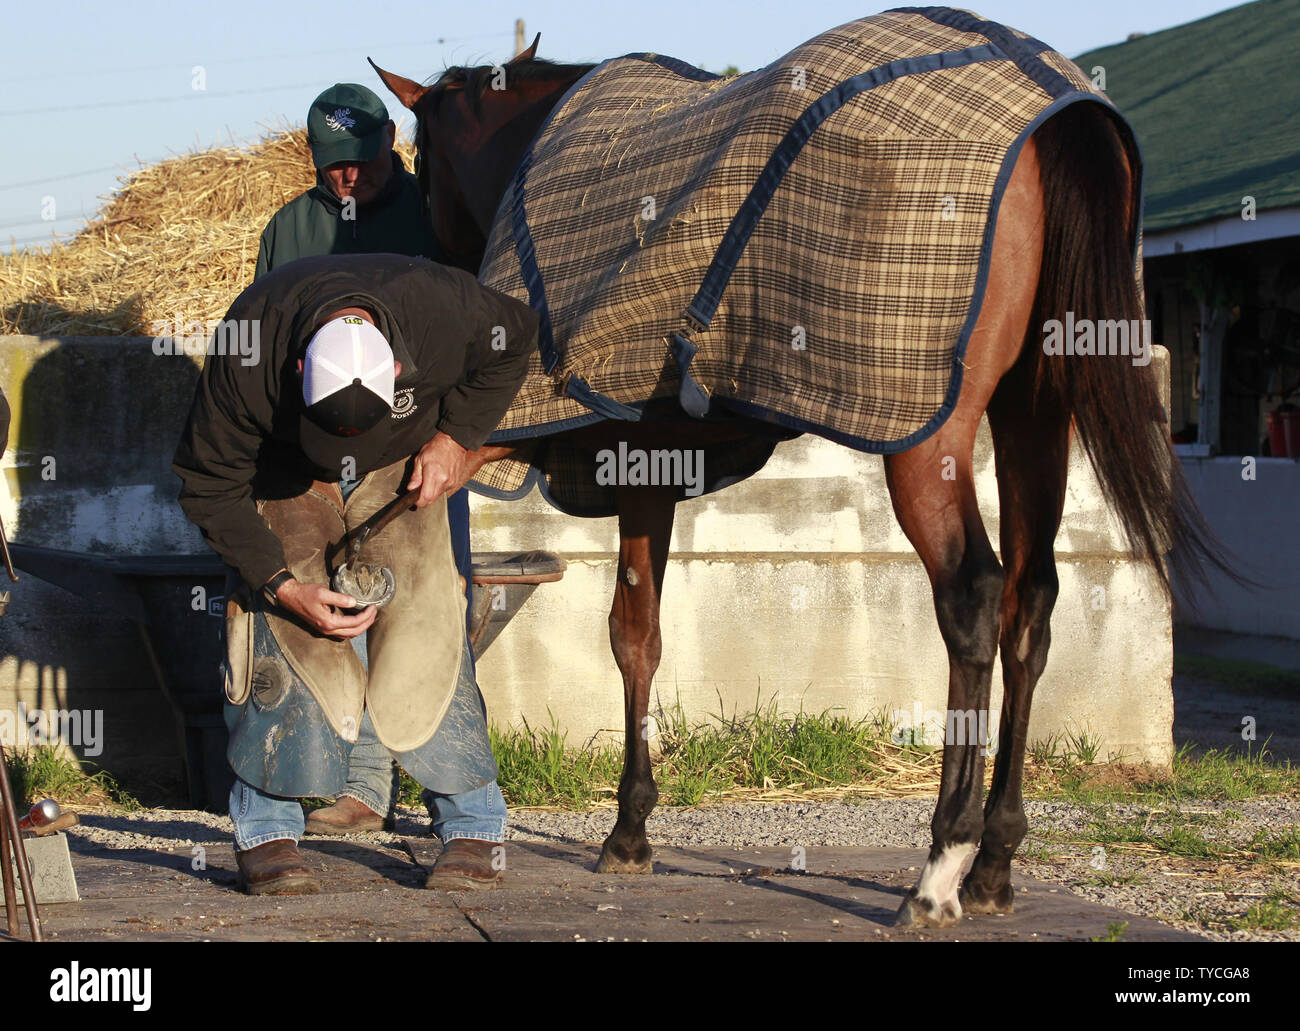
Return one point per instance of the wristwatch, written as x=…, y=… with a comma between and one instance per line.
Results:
x=273, y=585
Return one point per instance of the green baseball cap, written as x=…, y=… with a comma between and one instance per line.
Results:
x=346, y=123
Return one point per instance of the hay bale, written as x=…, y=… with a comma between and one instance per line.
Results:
x=176, y=243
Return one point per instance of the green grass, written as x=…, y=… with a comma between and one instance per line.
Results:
x=1038, y=851
x=762, y=750
x=43, y=771
x=1065, y=752
x=1177, y=840
x=1174, y=832
x=1227, y=776
x=1114, y=880
x=1271, y=914
x=538, y=768
x=1256, y=678
x=1114, y=932
x=765, y=753
x=736, y=755
x=1276, y=844
x=1275, y=912
x=1213, y=775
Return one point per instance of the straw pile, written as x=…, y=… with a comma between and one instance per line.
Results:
x=174, y=245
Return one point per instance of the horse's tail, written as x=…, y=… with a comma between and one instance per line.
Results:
x=1088, y=167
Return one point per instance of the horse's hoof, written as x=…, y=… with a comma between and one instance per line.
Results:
x=977, y=900
x=635, y=864
x=920, y=912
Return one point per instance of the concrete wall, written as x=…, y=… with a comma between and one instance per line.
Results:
x=95, y=421
x=795, y=586
x=1253, y=506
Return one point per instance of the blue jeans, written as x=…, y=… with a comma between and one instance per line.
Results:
x=372, y=775
x=479, y=814
x=258, y=817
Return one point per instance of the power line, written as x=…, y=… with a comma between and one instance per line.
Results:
x=179, y=99
x=40, y=221
x=42, y=237
x=58, y=178
x=354, y=48
x=401, y=117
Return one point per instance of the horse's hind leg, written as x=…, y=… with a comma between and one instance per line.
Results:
x=1031, y=440
x=941, y=518
x=934, y=498
x=645, y=525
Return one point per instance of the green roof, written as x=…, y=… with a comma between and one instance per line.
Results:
x=1216, y=107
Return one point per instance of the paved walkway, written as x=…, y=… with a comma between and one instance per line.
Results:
x=373, y=892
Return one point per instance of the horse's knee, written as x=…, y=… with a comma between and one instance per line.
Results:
x=1029, y=631
x=636, y=642
x=967, y=604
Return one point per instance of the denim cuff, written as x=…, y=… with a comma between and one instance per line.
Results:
x=367, y=799
x=262, y=839
x=496, y=837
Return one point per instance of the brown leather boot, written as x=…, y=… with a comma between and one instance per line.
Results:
x=346, y=816
x=275, y=868
x=466, y=863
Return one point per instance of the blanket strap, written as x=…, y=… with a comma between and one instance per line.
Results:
x=693, y=398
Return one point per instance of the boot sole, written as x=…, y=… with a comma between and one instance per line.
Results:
x=291, y=884
x=364, y=828
x=458, y=882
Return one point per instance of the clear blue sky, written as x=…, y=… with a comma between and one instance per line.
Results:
x=91, y=87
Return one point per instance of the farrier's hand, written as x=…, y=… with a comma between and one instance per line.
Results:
x=316, y=605
x=442, y=466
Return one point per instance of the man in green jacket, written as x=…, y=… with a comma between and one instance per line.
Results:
x=364, y=202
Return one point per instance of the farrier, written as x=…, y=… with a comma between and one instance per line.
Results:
x=378, y=374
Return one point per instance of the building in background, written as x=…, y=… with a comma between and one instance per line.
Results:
x=1216, y=106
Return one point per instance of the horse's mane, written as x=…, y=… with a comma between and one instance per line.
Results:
x=477, y=80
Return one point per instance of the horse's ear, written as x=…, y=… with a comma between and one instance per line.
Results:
x=526, y=55
x=408, y=92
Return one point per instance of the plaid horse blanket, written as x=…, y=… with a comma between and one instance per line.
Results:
x=805, y=245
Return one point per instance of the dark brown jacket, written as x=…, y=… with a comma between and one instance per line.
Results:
x=242, y=433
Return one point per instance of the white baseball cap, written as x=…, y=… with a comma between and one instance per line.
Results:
x=347, y=391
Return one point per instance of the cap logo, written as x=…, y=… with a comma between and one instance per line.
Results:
x=341, y=119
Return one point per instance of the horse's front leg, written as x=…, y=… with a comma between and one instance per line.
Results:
x=645, y=524
x=487, y=453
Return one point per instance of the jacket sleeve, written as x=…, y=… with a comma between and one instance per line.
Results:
x=264, y=251
x=504, y=335
x=216, y=461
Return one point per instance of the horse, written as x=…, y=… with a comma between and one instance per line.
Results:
x=1065, y=241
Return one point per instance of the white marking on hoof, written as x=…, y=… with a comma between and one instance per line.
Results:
x=936, y=888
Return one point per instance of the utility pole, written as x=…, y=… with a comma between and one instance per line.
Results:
x=519, y=36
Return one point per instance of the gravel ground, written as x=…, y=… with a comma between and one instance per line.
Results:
x=1200, y=895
